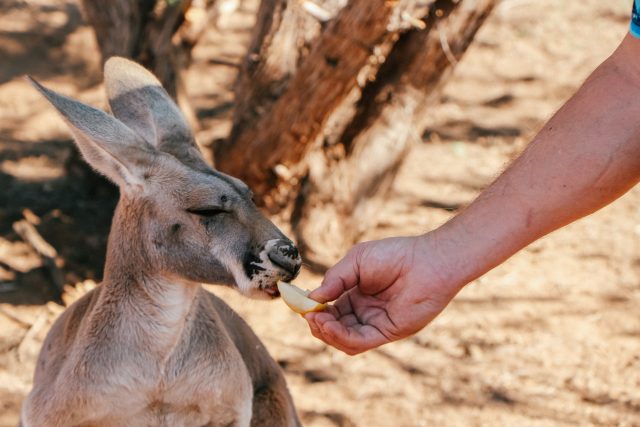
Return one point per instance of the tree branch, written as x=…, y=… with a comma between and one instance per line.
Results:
x=326, y=76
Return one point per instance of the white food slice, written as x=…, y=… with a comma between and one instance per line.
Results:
x=297, y=299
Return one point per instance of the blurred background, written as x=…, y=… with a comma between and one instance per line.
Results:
x=341, y=144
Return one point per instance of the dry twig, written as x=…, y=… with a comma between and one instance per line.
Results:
x=28, y=232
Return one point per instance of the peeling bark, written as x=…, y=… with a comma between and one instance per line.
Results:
x=348, y=182
x=281, y=39
x=282, y=136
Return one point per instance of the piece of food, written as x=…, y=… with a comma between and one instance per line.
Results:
x=297, y=299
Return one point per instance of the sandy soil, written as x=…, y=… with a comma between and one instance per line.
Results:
x=550, y=338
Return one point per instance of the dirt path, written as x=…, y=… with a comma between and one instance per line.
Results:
x=552, y=337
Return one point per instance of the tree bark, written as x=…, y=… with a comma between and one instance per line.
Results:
x=282, y=136
x=159, y=34
x=325, y=132
x=128, y=17
x=348, y=182
x=281, y=38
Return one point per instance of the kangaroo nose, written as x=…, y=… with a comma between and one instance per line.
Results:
x=285, y=255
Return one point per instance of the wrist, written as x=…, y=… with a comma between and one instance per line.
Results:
x=443, y=254
x=480, y=238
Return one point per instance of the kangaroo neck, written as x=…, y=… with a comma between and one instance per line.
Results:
x=149, y=308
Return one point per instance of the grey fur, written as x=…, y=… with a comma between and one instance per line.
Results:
x=149, y=346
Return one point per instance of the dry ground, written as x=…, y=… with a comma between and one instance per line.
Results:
x=552, y=337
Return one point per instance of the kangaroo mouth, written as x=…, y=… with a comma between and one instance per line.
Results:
x=271, y=290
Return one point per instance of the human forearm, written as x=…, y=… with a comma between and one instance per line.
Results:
x=586, y=156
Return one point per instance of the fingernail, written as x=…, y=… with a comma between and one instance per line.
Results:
x=314, y=294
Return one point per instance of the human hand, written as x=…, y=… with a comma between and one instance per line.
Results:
x=384, y=291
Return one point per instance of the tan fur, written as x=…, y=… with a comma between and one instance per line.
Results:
x=149, y=346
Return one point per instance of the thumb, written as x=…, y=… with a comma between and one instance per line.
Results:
x=339, y=278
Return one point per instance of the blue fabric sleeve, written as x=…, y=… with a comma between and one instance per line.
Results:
x=635, y=20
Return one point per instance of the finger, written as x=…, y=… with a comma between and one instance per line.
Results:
x=349, y=319
x=343, y=305
x=327, y=340
x=313, y=326
x=333, y=310
x=352, y=343
x=339, y=278
x=316, y=331
x=349, y=348
x=352, y=339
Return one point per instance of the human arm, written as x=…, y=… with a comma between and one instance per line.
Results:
x=585, y=157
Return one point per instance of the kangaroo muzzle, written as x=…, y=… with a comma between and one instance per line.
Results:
x=285, y=255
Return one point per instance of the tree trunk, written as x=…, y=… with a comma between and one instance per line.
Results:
x=159, y=34
x=281, y=37
x=330, y=129
x=348, y=182
x=282, y=136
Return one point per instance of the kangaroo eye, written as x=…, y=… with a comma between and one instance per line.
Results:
x=207, y=212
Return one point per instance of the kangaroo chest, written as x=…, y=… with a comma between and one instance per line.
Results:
x=214, y=397
x=158, y=378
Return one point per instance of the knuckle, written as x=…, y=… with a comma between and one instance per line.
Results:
x=351, y=352
x=357, y=250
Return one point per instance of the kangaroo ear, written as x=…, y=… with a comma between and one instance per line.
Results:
x=107, y=144
x=138, y=99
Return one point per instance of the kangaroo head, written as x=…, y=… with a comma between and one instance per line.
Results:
x=187, y=219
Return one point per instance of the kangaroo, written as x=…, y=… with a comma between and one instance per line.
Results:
x=150, y=346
